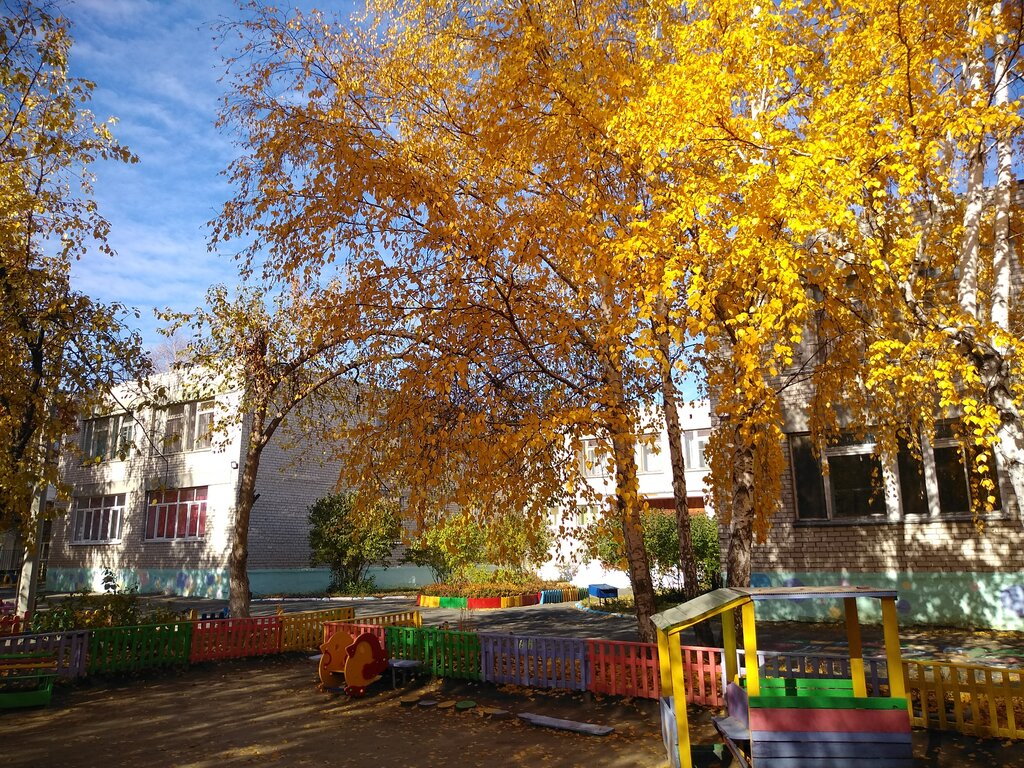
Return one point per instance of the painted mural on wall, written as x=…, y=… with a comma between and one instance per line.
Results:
x=982, y=600
x=200, y=582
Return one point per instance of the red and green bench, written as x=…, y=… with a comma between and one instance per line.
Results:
x=26, y=679
x=800, y=723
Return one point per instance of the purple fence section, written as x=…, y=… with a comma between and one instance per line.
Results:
x=69, y=648
x=540, y=662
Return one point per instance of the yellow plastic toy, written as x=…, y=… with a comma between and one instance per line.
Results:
x=334, y=659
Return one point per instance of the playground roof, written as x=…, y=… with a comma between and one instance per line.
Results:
x=711, y=604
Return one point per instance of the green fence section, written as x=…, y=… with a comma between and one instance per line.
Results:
x=126, y=649
x=444, y=653
x=453, y=602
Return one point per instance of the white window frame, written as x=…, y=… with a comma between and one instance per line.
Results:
x=117, y=427
x=594, y=458
x=159, y=507
x=697, y=444
x=648, y=452
x=196, y=417
x=98, y=519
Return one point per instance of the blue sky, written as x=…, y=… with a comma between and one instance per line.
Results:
x=157, y=68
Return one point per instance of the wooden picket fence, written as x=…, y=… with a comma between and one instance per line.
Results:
x=820, y=665
x=303, y=631
x=130, y=649
x=538, y=662
x=624, y=669
x=235, y=638
x=354, y=630
x=397, y=619
x=69, y=649
x=971, y=699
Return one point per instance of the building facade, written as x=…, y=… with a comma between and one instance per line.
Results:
x=153, y=499
x=568, y=559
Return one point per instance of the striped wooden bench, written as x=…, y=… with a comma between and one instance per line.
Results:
x=801, y=723
x=26, y=679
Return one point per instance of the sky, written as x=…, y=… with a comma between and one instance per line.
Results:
x=157, y=69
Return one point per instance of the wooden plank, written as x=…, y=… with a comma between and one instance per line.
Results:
x=731, y=728
x=821, y=701
x=589, y=729
x=833, y=736
x=841, y=720
x=866, y=751
x=842, y=762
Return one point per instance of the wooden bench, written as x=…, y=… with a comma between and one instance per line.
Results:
x=26, y=679
x=807, y=723
x=735, y=729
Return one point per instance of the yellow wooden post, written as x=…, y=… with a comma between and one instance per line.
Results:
x=893, y=656
x=860, y=687
x=750, y=649
x=670, y=668
x=729, y=644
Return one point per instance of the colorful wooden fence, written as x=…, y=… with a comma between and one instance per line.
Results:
x=303, y=631
x=235, y=638
x=819, y=666
x=443, y=652
x=397, y=619
x=128, y=649
x=970, y=699
x=509, y=601
x=68, y=649
x=539, y=662
x=624, y=669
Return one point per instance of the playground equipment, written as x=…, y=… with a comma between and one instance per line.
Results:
x=356, y=663
x=791, y=722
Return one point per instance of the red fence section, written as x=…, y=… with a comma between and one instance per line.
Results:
x=234, y=638
x=330, y=627
x=702, y=676
x=624, y=669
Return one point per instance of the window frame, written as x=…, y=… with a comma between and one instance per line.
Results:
x=648, y=453
x=697, y=445
x=594, y=458
x=91, y=518
x=119, y=431
x=165, y=512
x=843, y=449
x=193, y=432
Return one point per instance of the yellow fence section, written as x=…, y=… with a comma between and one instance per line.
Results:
x=971, y=699
x=302, y=631
x=397, y=619
x=430, y=601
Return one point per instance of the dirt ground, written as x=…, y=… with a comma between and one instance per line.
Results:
x=269, y=712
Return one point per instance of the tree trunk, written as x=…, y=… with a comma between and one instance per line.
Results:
x=628, y=508
x=238, y=561
x=677, y=459
x=741, y=526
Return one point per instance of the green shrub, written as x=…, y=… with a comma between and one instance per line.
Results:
x=349, y=539
x=448, y=546
x=491, y=588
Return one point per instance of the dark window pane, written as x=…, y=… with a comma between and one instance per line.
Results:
x=856, y=483
x=807, y=481
x=954, y=495
x=912, y=489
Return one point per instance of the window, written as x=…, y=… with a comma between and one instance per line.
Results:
x=647, y=454
x=106, y=438
x=188, y=426
x=852, y=487
x=594, y=459
x=697, y=444
x=955, y=482
x=98, y=519
x=176, y=514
